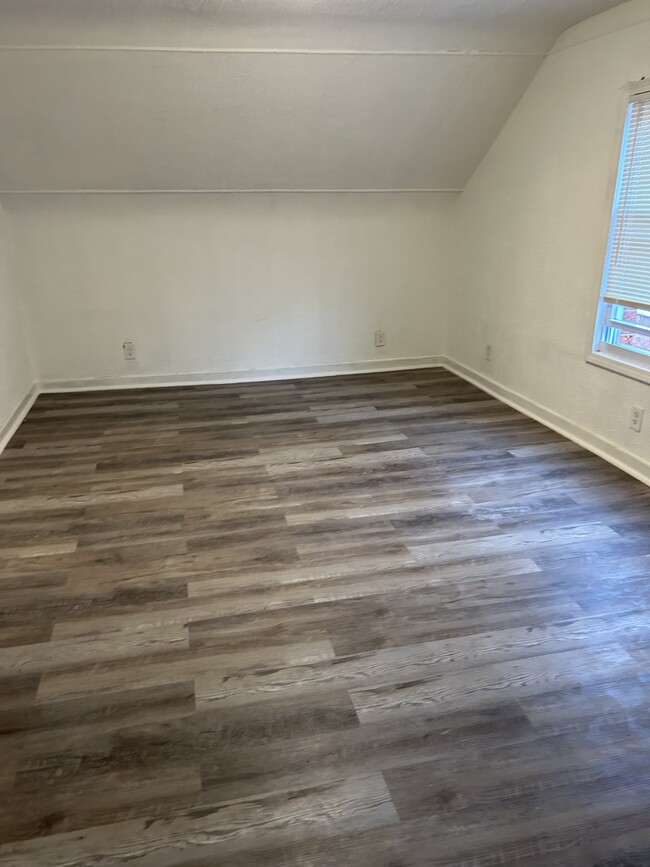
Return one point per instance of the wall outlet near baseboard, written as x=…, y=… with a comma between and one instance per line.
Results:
x=128, y=347
x=636, y=419
x=380, y=338
x=489, y=351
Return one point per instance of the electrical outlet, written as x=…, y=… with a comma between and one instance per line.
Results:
x=636, y=419
x=128, y=348
x=489, y=350
x=380, y=338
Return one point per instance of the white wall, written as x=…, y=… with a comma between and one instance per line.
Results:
x=15, y=374
x=532, y=229
x=219, y=283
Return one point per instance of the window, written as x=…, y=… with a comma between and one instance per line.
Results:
x=622, y=340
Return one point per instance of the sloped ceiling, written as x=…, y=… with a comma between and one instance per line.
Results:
x=263, y=94
x=34, y=21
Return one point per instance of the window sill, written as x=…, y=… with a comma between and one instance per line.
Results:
x=617, y=365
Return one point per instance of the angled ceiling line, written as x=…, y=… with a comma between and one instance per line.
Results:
x=337, y=52
x=227, y=191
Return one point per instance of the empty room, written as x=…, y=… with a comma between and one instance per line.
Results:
x=324, y=433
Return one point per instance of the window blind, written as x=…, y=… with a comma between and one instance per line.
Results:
x=627, y=275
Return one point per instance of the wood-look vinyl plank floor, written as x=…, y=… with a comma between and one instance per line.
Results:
x=370, y=621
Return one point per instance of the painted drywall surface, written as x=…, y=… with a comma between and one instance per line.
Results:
x=141, y=120
x=531, y=233
x=497, y=23
x=327, y=95
x=217, y=283
x=619, y=17
x=15, y=373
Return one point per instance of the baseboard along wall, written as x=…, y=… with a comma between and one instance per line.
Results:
x=605, y=449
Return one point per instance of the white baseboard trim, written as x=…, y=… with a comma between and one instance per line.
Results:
x=9, y=428
x=605, y=449
x=232, y=376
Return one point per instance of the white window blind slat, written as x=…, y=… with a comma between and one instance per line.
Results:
x=627, y=273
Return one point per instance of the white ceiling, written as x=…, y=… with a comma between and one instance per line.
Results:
x=460, y=25
x=545, y=17
x=278, y=115
x=105, y=120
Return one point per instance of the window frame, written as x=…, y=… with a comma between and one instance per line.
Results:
x=626, y=362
